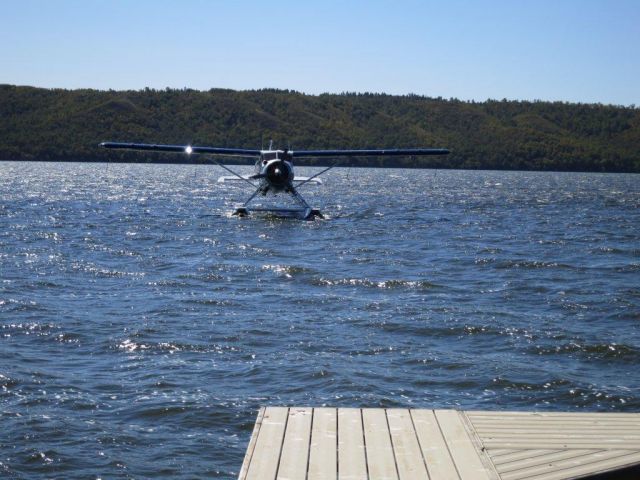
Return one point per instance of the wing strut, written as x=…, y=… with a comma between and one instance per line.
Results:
x=317, y=174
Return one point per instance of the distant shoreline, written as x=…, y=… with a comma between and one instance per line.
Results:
x=38, y=124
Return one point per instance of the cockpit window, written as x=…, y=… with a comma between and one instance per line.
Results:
x=269, y=156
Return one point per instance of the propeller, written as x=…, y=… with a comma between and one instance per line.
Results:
x=279, y=173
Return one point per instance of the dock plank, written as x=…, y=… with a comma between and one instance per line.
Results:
x=434, y=448
x=409, y=460
x=295, y=448
x=266, y=454
x=570, y=467
x=252, y=445
x=515, y=455
x=463, y=452
x=535, y=461
x=381, y=463
x=323, y=458
x=560, y=415
x=352, y=463
x=539, y=445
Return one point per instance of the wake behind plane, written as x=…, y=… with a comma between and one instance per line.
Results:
x=273, y=173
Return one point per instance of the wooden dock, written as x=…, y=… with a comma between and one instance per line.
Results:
x=400, y=444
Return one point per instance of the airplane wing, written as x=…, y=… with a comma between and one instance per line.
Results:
x=152, y=147
x=189, y=149
x=244, y=152
x=370, y=152
x=393, y=152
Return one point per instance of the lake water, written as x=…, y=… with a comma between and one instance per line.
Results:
x=141, y=326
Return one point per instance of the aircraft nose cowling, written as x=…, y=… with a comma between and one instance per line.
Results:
x=279, y=174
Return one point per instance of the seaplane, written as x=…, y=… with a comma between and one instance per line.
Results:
x=273, y=173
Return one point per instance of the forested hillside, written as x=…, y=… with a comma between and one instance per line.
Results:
x=67, y=125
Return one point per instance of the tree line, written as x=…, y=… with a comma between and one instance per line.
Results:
x=67, y=125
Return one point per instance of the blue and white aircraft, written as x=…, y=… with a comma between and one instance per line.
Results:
x=273, y=172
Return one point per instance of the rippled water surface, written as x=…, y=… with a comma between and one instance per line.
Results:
x=141, y=326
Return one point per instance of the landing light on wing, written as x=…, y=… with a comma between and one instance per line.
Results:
x=188, y=150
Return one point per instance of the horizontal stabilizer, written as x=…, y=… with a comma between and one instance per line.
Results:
x=234, y=179
x=308, y=180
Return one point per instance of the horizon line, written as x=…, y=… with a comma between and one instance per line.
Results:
x=631, y=106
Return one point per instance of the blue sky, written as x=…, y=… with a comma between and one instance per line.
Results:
x=569, y=50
